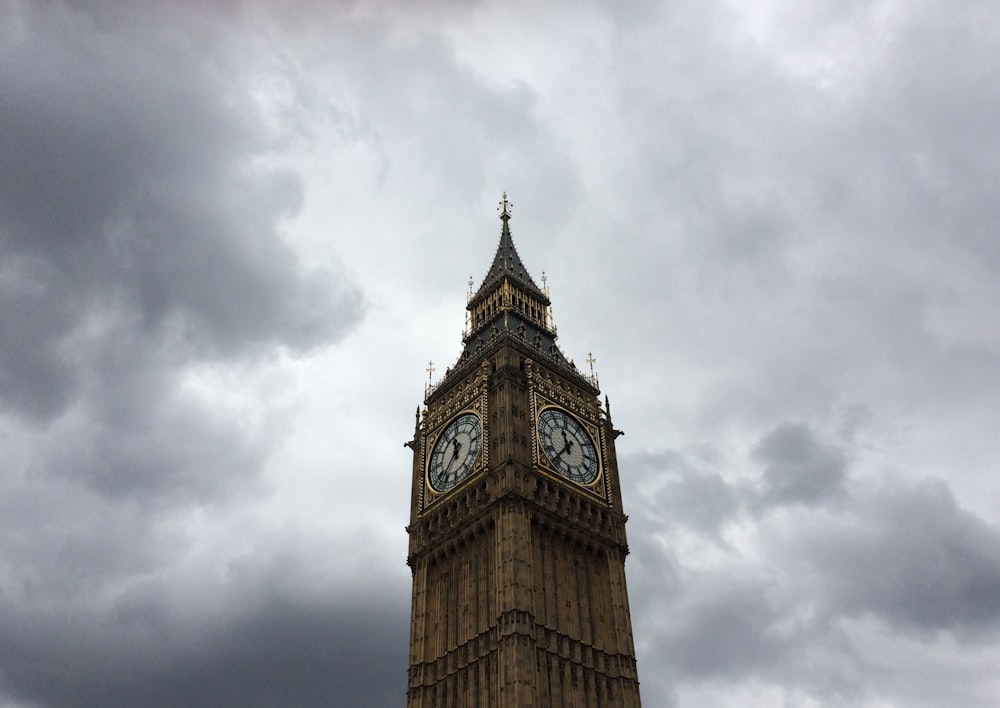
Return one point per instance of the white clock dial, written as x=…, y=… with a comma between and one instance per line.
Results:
x=567, y=445
x=455, y=452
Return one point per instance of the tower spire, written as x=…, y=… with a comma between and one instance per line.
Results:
x=507, y=262
x=509, y=306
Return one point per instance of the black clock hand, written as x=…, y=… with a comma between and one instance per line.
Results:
x=456, y=448
x=567, y=446
x=451, y=458
x=567, y=443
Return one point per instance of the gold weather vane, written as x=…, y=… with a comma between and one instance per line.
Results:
x=430, y=376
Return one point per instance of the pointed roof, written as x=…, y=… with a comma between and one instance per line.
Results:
x=507, y=262
x=520, y=322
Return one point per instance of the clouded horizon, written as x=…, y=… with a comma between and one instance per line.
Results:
x=233, y=235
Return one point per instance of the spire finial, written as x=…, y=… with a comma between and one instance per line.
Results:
x=505, y=207
x=430, y=377
x=592, y=360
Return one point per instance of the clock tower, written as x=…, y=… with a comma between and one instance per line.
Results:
x=517, y=534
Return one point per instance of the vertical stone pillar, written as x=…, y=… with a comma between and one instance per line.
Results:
x=516, y=651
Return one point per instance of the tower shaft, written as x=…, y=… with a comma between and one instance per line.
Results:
x=517, y=535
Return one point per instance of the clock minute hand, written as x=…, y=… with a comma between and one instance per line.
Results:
x=456, y=448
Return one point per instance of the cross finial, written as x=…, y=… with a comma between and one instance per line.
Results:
x=592, y=360
x=430, y=378
x=505, y=207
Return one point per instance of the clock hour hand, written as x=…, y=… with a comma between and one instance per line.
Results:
x=567, y=446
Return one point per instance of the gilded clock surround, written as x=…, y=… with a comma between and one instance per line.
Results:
x=570, y=442
x=468, y=395
x=454, y=452
x=519, y=595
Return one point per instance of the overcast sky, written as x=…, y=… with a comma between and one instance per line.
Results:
x=233, y=234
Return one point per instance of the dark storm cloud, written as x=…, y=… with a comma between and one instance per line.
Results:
x=101, y=612
x=131, y=212
x=277, y=651
x=140, y=239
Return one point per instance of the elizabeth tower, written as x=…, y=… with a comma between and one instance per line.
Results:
x=517, y=535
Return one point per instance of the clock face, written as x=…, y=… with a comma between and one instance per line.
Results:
x=455, y=451
x=567, y=445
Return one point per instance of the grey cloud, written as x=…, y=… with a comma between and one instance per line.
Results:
x=279, y=652
x=129, y=203
x=684, y=490
x=158, y=457
x=428, y=111
x=895, y=554
x=912, y=557
x=141, y=236
x=63, y=544
x=727, y=626
x=904, y=555
x=689, y=489
x=783, y=215
x=798, y=468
